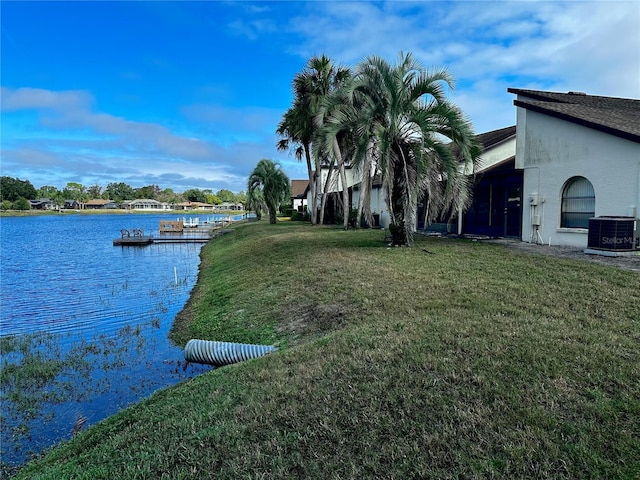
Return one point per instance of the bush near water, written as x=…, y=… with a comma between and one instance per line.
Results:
x=451, y=359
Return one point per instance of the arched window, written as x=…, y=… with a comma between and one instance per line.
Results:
x=578, y=203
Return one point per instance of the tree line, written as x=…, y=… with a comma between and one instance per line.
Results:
x=390, y=122
x=16, y=193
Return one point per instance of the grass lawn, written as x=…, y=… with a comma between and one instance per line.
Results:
x=452, y=359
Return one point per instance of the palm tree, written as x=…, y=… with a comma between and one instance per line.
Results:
x=255, y=203
x=319, y=79
x=268, y=181
x=420, y=142
x=296, y=131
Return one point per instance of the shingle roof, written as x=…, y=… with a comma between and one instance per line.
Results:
x=494, y=137
x=615, y=116
x=299, y=188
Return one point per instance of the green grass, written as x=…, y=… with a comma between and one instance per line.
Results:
x=475, y=361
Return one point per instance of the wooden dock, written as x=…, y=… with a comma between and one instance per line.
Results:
x=168, y=234
x=148, y=240
x=133, y=241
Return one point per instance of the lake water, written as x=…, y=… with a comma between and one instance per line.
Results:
x=68, y=293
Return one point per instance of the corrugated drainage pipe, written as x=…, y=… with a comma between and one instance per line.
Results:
x=223, y=353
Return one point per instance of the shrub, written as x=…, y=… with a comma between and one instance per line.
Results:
x=21, y=204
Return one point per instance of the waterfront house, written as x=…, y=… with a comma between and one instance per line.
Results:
x=193, y=206
x=42, y=204
x=228, y=206
x=145, y=204
x=580, y=157
x=100, y=204
x=72, y=205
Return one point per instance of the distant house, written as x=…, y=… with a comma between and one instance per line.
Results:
x=580, y=156
x=72, y=205
x=100, y=204
x=299, y=193
x=193, y=206
x=145, y=204
x=228, y=206
x=42, y=204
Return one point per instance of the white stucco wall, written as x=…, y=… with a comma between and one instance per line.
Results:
x=299, y=202
x=377, y=204
x=497, y=154
x=551, y=151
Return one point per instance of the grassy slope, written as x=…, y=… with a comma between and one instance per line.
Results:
x=472, y=361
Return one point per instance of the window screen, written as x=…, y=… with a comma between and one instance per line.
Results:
x=578, y=203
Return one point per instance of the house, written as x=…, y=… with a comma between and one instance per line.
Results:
x=145, y=204
x=72, y=205
x=42, y=204
x=228, y=206
x=580, y=157
x=99, y=204
x=299, y=192
x=193, y=206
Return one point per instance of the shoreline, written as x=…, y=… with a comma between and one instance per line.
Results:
x=33, y=213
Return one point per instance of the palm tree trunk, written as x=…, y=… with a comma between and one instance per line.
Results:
x=364, y=203
x=312, y=188
x=345, y=189
x=324, y=193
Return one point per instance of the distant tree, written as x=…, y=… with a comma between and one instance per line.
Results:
x=195, y=195
x=75, y=191
x=119, y=192
x=168, y=196
x=213, y=199
x=5, y=205
x=94, y=191
x=225, y=195
x=150, y=191
x=13, y=188
x=240, y=197
x=269, y=179
x=48, y=191
x=21, y=204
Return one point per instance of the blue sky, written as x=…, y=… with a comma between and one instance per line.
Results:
x=189, y=94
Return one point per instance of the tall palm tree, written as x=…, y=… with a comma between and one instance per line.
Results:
x=268, y=183
x=296, y=130
x=319, y=78
x=420, y=142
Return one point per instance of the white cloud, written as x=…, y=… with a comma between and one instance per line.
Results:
x=40, y=99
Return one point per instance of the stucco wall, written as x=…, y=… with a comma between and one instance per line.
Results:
x=551, y=151
x=497, y=154
x=377, y=205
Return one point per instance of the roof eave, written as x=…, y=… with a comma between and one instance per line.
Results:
x=580, y=121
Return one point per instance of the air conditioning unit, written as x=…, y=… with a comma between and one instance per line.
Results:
x=615, y=234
